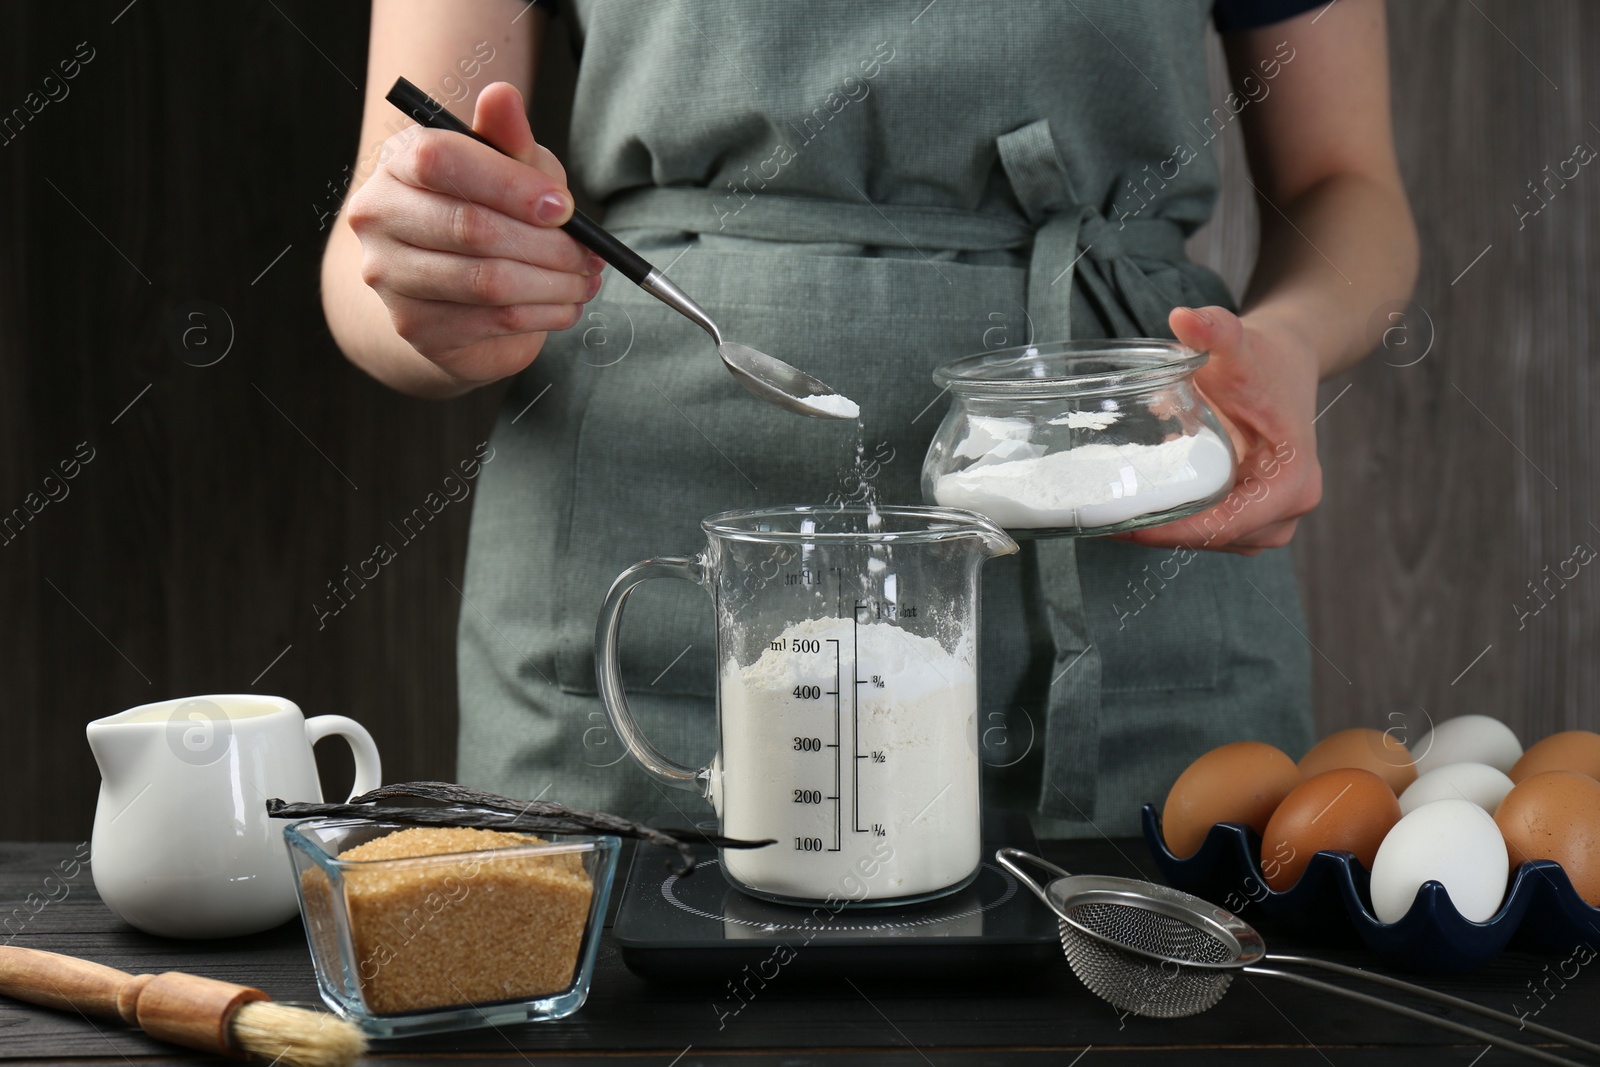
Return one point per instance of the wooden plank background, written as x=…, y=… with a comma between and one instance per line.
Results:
x=193, y=154
x=1458, y=459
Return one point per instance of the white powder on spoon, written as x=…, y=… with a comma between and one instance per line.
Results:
x=833, y=404
x=1090, y=486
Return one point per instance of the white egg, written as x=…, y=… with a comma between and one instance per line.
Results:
x=1477, y=782
x=1467, y=739
x=1453, y=842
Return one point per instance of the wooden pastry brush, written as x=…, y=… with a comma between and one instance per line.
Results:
x=185, y=1009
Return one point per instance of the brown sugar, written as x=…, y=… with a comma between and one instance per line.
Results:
x=471, y=929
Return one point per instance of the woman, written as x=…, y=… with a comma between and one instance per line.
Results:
x=780, y=162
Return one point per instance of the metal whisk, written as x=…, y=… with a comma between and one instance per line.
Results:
x=1154, y=951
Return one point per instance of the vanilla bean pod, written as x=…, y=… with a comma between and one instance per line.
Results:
x=489, y=811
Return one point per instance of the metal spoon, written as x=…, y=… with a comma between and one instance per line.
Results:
x=770, y=379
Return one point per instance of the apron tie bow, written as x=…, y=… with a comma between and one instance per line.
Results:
x=1074, y=243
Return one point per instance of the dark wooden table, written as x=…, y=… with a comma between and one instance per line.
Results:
x=1042, y=1018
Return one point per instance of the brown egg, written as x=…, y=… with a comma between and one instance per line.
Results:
x=1573, y=750
x=1555, y=815
x=1372, y=750
x=1346, y=809
x=1241, y=783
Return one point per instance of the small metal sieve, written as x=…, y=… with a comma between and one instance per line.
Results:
x=1151, y=950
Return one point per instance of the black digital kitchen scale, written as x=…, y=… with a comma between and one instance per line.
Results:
x=700, y=927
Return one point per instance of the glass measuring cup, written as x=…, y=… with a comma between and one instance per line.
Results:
x=847, y=654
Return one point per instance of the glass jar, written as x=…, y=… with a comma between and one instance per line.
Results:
x=1078, y=438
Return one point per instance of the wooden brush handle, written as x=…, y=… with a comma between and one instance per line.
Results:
x=65, y=982
x=182, y=1008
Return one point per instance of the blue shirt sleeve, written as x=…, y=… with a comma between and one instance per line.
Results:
x=1232, y=16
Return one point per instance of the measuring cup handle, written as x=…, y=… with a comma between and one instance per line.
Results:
x=1008, y=857
x=608, y=667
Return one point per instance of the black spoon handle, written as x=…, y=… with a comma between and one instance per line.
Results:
x=430, y=113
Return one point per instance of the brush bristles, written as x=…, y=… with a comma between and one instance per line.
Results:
x=295, y=1037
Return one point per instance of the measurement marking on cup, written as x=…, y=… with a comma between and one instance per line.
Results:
x=855, y=718
x=838, y=668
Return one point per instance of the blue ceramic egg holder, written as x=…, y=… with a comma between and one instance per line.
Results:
x=1331, y=902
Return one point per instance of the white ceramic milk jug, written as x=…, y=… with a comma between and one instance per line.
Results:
x=182, y=844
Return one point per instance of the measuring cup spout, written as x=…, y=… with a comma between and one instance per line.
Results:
x=995, y=541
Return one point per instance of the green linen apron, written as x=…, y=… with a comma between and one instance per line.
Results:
x=866, y=190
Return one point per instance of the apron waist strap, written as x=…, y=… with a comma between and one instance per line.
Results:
x=774, y=217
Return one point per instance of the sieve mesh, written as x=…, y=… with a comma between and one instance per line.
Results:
x=1127, y=977
x=1149, y=931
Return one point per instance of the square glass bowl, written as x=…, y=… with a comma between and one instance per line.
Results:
x=452, y=941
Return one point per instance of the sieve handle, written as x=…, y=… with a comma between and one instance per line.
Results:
x=1521, y=1023
x=1008, y=857
x=1412, y=1013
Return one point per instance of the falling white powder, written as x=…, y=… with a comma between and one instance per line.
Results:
x=897, y=700
x=833, y=404
x=1090, y=486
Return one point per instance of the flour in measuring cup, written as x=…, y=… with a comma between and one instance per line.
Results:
x=1089, y=486
x=913, y=827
